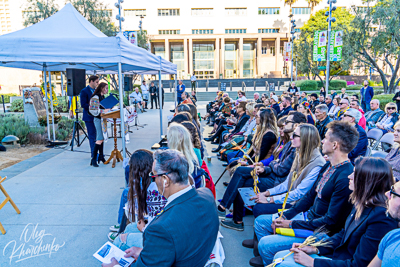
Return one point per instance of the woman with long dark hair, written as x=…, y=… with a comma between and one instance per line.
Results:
x=96, y=109
x=367, y=224
x=143, y=200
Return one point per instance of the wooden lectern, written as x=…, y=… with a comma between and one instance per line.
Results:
x=115, y=154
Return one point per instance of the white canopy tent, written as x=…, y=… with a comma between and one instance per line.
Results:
x=68, y=40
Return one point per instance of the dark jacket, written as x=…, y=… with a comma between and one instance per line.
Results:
x=184, y=234
x=276, y=108
x=153, y=90
x=85, y=96
x=330, y=105
x=279, y=169
x=284, y=112
x=321, y=126
x=332, y=209
x=369, y=94
x=373, y=116
x=240, y=123
x=357, y=244
x=313, y=104
x=361, y=146
x=292, y=89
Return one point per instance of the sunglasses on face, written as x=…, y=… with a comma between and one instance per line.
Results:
x=295, y=135
x=154, y=176
x=391, y=192
x=389, y=108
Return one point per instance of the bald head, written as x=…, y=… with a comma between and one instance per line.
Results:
x=374, y=104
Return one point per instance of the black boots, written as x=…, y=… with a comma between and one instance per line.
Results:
x=94, y=159
x=101, y=154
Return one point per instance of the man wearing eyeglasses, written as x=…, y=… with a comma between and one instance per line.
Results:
x=353, y=116
x=185, y=231
x=344, y=106
x=388, y=253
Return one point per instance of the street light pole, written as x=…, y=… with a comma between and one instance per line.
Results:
x=119, y=17
x=329, y=20
x=292, y=31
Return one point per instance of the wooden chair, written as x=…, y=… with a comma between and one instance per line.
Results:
x=8, y=199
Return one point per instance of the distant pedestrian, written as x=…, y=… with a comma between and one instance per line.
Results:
x=193, y=81
x=153, y=94
x=367, y=93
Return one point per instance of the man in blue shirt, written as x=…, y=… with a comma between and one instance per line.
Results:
x=179, y=90
x=367, y=93
x=388, y=253
x=85, y=96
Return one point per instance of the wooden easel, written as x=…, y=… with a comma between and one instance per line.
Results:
x=115, y=154
x=8, y=199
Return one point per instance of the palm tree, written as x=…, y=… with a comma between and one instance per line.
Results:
x=290, y=2
x=313, y=3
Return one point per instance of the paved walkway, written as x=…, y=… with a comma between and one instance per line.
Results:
x=68, y=206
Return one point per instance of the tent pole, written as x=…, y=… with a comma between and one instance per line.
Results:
x=175, y=94
x=45, y=101
x=121, y=109
x=62, y=83
x=160, y=101
x=51, y=107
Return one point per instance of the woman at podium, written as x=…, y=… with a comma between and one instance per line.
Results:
x=95, y=109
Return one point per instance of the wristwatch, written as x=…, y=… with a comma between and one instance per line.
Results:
x=269, y=199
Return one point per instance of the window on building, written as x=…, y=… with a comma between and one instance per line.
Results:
x=362, y=9
x=134, y=12
x=200, y=31
x=268, y=11
x=301, y=10
x=169, y=31
x=235, y=30
x=236, y=11
x=268, y=30
x=202, y=12
x=169, y=12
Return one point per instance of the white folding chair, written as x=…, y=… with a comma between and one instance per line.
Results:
x=374, y=135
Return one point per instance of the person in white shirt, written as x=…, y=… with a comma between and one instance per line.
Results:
x=193, y=80
x=136, y=98
x=145, y=93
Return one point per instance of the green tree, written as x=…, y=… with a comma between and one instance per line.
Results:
x=290, y=2
x=38, y=10
x=303, y=46
x=143, y=39
x=376, y=39
x=313, y=3
x=97, y=14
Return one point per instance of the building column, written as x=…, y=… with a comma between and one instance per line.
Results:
x=240, y=58
x=222, y=56
x=191, y=70
x=167, y=52
x=277, y=49
x=185, y=55
x=216, y=59
x=258, y=56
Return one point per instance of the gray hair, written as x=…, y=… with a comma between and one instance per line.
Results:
x=377, y=100
x=323, y=108
x=329, y=96
x=354, y=113
x=256, y=94
x=173, y=162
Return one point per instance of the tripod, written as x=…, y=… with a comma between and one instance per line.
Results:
x=137, y=124
x=77, y=126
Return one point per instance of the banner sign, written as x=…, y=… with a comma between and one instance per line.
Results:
x=287, y=51
x=131, y=36
x=336, y=44
x=319, y=48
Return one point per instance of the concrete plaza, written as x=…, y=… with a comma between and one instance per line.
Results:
x=69, y=206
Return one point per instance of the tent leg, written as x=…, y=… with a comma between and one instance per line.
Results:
x=160, y=102
x=45, y=101
x=121, y=109
x=51, y=107
x=62, y=83
x=175, y=94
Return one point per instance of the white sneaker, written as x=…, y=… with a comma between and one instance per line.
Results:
x=115, y=228
x=112, y=235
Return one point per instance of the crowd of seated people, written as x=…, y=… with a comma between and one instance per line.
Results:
x=306, y=158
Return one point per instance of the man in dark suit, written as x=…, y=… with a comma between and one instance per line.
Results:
x=353, y=116
x=185, y=231
x=85, y=96
x=367, y=93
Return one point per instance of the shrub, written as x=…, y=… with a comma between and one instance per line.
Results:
x=17, y=106
x=307, y=85
x=7, y=98
x=16, y=125
x=338, y=83
x=65, y=128
x=384, y=99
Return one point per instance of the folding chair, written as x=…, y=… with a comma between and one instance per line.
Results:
x=386, y=142
x=368, y=152
x=8, y=199
x=374, y=135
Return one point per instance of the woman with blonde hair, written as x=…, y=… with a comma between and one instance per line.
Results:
x=306, y=166
x=388, y=120
x=179, y=138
